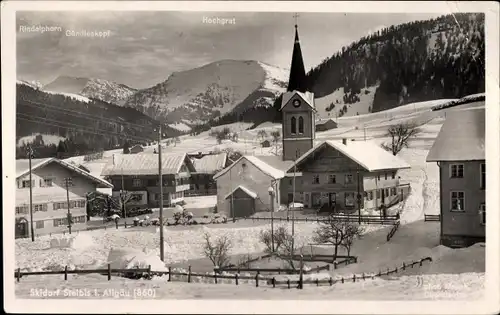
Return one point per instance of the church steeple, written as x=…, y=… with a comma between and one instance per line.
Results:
x=297, y=80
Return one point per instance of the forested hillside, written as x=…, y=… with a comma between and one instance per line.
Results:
x=88, y=125
x=418, y=61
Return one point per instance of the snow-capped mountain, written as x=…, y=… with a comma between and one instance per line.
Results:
x=199, y=94
x=104, y=90
x=34, y=84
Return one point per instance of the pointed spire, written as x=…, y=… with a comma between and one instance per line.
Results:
x=297, y=79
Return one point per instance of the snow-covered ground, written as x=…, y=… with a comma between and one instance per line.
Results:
x=361, y=107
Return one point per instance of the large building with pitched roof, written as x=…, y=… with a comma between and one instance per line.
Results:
x=459, y=151
x=138, y=175
x=333, y=175
x=50, y=195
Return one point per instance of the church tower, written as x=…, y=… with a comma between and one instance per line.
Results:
x=297, y=109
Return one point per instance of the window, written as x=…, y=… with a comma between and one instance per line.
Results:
x=68, y=181
x=301, y=125
x=315, y=179
x=22, y=210
x=482, y=213
x=293, y=125
x=369, y=195
x=457, y=200
x=456, y=170
x=60, y=222
x=378, y=193
x=482, y=179
x=378, y=176
x=332, y=179
x=387, y=192
x=136, y=182
x=393, y=191
x=26, y=184
x=80, y=219
x=136, y=197
x=316, y=199
x=385, y=176
x=39, y=207
x=349, y=199
x=39, y=225
x=393, y=175
x=46, y=182
x=349, y=179
x=60, y=205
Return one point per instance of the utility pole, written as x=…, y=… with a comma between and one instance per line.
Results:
x=293, y=200
x=271, y=195
x=29, y=152
x=232, y=195
x=67, y=179
x=122, y=197
x=358, y=199
x=161, y=195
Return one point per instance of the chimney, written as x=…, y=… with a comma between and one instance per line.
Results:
x=344, y=141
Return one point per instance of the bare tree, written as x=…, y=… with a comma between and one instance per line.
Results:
x=276, y=134
x=124, y=198
x=262, y=134
x=217, y=251
x=353, y=231
x=336, y=232
x=283, y=244
x=400, y=136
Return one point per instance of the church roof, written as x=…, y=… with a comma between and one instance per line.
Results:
x=297, y=79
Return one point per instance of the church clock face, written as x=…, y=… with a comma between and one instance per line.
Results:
x=296, y=103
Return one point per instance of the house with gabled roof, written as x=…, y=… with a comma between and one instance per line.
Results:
x=333, y=173
x=138, y=175
x=50, y=195
x=206, y=166
x=459, y=151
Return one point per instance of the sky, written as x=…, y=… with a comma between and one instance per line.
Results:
x=142, y=49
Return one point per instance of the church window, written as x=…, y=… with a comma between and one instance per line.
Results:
x=294, y=125
x=301, y=125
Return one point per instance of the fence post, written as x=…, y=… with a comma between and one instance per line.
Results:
x=328, y=267
x=396, y=270
x=257, y=279
x=125, y=224
x=387, y=271
x=236, y=278
x=301, y=275
x=364, y=276
x=420, y=262
x=274, y=282
x=404, y=266
x=189, y=274
x=109, y=272
x=379, y=273
x=317, y=268
x=215, y=277
x=288, y=282
x=18, y=274
x=317, y=282
x=334, y=265
x=342, y=279
x=65, y=272
x=331, y=281
x=353, y=278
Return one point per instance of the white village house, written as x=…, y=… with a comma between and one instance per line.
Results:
x=49, y=195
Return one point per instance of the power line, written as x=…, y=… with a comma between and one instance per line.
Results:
x=79, y=128
x=75, y=112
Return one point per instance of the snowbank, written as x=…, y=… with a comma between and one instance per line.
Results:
x=80, y=241
x=128, y=258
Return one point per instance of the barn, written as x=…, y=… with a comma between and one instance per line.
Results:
x=136, y=149
x=242, y=188
x=265, y=144
x=326, y=124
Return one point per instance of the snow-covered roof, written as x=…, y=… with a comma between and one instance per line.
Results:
x=246, y=190
x=308, y=97
x=461, y=137
x=145, y=164
x=258, y=163
x=367, y=154
x=325, y=120
x=209, y=164
x=22, y=168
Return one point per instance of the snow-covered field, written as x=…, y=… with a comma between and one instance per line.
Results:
x=361, y=107
x=465, y=286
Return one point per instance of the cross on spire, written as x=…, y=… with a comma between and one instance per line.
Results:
x=295, y=16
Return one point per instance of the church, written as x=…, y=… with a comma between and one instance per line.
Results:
x=332, y=176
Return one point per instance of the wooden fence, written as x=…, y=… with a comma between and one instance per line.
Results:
x=372, y=219
x=273, y=270
x=236, y=277
x=393, y=231
x=432, y=217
